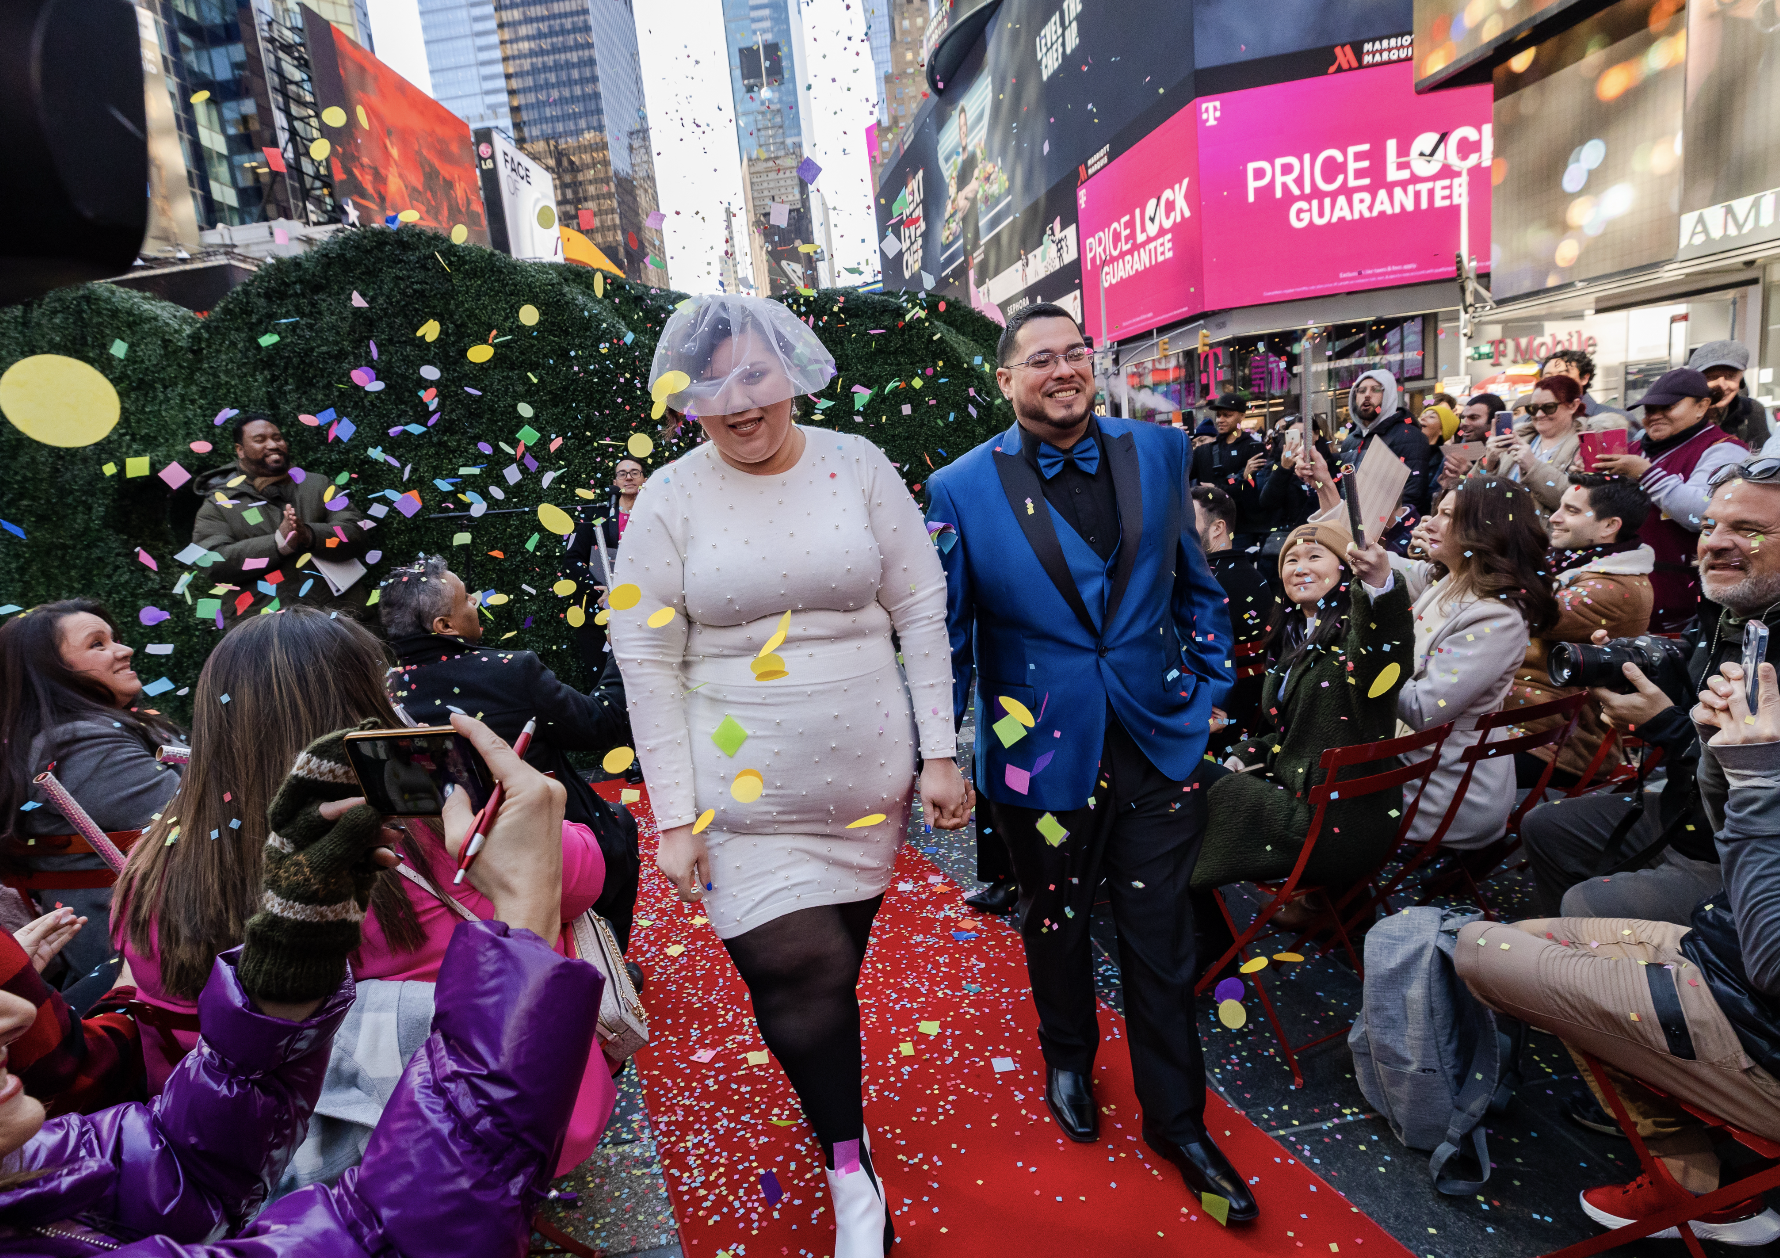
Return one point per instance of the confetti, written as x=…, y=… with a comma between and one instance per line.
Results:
x=747, y=786
x=623, y=597
x=618, y=759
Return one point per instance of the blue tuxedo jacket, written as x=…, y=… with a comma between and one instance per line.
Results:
x=1036, y=617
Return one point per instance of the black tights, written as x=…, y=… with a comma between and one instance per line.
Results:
x=802, y=970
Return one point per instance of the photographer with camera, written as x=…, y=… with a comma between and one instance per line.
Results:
x=1651, y=854
x=1600, y=573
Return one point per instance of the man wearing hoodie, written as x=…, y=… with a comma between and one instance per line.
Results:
x=270, y=526
x=1378, y=415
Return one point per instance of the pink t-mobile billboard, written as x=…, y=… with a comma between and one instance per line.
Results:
x=1326, y=185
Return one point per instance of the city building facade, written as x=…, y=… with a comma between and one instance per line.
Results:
x=463, y=59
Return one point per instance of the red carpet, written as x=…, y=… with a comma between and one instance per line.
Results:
x=971, y=1160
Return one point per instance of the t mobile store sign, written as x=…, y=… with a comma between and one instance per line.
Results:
x=1323, y=185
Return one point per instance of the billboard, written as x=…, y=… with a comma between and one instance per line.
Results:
x=390, y=147
x=520, y=197
x=1463, y=39
x=1351, y=180
x=1730, y=189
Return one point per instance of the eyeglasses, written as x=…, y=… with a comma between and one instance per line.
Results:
x=1044, y=360
x=1544, y=408
x=1758, y=470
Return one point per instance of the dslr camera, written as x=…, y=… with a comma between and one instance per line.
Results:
x=1663, y=660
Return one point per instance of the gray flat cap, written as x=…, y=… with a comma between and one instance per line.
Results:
x=1720, y=354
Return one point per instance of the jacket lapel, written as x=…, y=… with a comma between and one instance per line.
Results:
x=1121, y=457
x=1026, y=499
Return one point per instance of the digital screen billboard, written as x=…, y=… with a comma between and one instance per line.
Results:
x=391, y=147
x=1730, y=182
x=1463, y=39
x=520, y=198
x=1599, y=195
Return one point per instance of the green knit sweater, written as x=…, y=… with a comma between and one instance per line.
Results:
x=1332, y=698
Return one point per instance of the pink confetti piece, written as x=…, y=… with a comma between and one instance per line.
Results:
x=846, y=1157
x=357, y=300
x=147, y=558
x=175, y=475
x=1019, y=780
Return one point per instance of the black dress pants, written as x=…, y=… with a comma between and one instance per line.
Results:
x=1140, y=831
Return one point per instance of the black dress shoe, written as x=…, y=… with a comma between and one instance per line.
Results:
x=997, y=898
x=638, y=979
x=1205, y=1168
x=1071, y=1100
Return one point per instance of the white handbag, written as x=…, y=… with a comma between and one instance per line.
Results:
x=623, y=1022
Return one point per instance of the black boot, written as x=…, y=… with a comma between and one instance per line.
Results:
x=1070, y=1097
x=1205, y=1168
x=997, y=898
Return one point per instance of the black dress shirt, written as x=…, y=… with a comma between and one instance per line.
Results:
x=1087, y=502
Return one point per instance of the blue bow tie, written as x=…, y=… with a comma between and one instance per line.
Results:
x=1085, y=454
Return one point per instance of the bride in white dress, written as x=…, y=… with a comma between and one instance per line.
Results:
x=776, y=729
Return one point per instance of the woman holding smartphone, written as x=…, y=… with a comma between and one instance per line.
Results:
x=1539, y=454
x=760, y=583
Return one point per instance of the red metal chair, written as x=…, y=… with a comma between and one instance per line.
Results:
x=1483, y=749
x=1677, y=1215
x=1292, y=889
x=1626, y=772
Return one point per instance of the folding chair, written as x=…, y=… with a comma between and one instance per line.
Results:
x=1484, y=749
x=1677, y=1215
x=1626, y=772
x=1292, y=889
x=550, y=1239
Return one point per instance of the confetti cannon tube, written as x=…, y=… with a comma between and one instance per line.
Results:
x=88, y=828
x=172, y=753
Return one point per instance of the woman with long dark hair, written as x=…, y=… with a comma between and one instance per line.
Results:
x=68, y=698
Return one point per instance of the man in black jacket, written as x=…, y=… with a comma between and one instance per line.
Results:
x=1377, y=412
x=431, y=621
x=1723, y=364
x=1224, y=461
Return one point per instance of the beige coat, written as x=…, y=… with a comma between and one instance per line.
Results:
x=1549, y=478
x=1463, y=670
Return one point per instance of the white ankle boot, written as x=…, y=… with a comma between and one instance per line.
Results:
x=862, y=1227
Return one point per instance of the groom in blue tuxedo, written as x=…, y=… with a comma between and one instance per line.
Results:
x=1087, y=621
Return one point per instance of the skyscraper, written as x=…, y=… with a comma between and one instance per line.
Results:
x=765, y=39
x=463, y=55
x=877, y=23
x=575, y=92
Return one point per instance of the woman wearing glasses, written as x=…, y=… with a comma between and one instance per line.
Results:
x=758, y=588
x=1538, y=455
x=610, y=518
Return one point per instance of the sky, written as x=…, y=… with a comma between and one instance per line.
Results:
x=697, y=167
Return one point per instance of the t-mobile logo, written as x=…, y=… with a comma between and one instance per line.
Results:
x=1209, y=110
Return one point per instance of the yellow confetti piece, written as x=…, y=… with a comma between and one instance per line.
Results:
x=199, y=97
x=429, y=329
x=60, y=401
x=1253, y=965
x=1018, y=711
x=618, y=759
x=1232, y=1014
x=334, y=116
x=758, y=1059
x=768, y=668
x=747, y=786
x=674, y=950
x=408, y=216
x=577, y=616
x=585, y=493
x=564, y=586
x=871, y=820
x=1288, y=956
x=495, y=600
x=601, y=617
x=928, y=1028
x=528, y=314
x=364, y=119
x=320, y=149
x=599, y=284
x=479, y=353
x=459, y=234
x=1217, y=1207
x=669, y=383
x=659, y=617
x=704, y=819
x=639, y=445
x=778, y=639
x=555, y=519
x=1387, y=677
x=629, y=796
x=625, y=597
x=906, y=1049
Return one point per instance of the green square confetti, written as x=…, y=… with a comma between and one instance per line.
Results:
x=1052, y=829
x=729, y=736
x=460, y=539
x=119, y=348
x=532, y=543
x=251, y=515
x=1009, y=730
x=136, y=466
x=207, y=608
x=270, y=338
x=528, y=434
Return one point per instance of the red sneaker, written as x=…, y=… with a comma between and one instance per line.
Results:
x=1747, y=1222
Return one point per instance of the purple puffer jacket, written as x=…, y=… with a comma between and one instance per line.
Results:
x=457, y=1165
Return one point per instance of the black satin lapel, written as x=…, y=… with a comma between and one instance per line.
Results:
x=1025, y=496
x=1121, y=457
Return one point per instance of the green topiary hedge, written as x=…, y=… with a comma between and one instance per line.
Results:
x=581, y=370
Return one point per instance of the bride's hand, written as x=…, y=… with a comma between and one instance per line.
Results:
x=946, y=798
x=684, y=858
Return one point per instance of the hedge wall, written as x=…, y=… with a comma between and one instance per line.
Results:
x=581, y=370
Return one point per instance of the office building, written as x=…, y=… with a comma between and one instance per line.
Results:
x=575, y=93
x=463, y=56
x=877, y=25
x=904, y=83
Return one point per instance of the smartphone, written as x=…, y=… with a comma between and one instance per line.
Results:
x=1504, y=423
x=406, y=772
x=1755, y=650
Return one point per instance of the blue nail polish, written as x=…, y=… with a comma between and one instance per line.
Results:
x=707, y=886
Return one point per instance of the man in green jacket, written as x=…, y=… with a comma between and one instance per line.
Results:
x=275, y=527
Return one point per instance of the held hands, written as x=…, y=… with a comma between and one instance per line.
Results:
x=946, y=798
x=1725, y=704
x=1370, y=563
x=43, y=938
x=1629, y=711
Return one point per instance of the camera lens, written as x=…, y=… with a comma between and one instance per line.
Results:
x=1564, y=663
